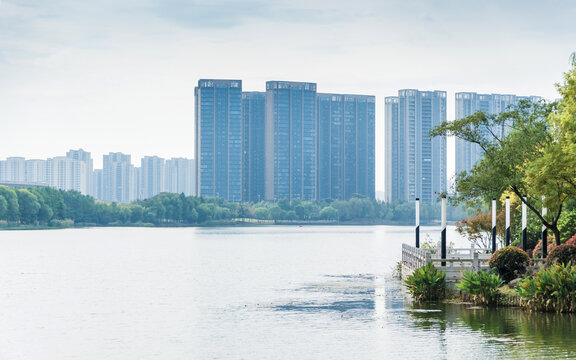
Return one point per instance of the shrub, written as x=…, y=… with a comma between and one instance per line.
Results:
x=572, y=240
x=482, y=285
x=510, y=262
x=537, y=253
x=552, y=289
x=427, y=283
x=562, y=254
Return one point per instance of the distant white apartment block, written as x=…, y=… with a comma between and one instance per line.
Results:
x=12, y=170
x=88, y=165
x=151, y=176
x=180, y=176
x=35, y=171
x=118, y=180
x=66, y=174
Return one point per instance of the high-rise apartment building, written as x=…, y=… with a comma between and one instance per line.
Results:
x=468, y=103
x=415, y=162
x=84, y=157
x=65, y=173
x=35, y=172
x=13, y=170
x=118, y=178
x=218, y=132
x=151, y=177
x=346, y=146
x=291, y=140
x=253, y=140
x=180, y=177
x=97, y=184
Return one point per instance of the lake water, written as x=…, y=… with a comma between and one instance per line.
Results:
x=280, y=292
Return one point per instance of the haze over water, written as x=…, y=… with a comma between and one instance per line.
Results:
x=280, y=292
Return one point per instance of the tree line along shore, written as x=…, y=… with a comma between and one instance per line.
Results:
x=44, y=207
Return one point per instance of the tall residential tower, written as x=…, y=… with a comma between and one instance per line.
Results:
x=219, y=139
x=346, y=146
x=415, y=162
x=253, y=121
x=291, y=139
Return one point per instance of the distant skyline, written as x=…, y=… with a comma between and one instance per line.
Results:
x=119, y=76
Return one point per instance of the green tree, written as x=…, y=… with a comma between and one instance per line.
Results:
x=137, y=213
x=3, y=208
x=553, y=173
x=53, y=199
x=276, y=213
x=29, y=206
x=13, y=210
x=329, y=213
x=261, y=213
x=507, y=161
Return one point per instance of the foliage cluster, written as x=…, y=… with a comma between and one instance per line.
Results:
x=537, y=253
x=528, y=151
x=48, y=206
x=572, y=240
x=482, y=286
x=427, y=283
x=478, y=228
x=552, y=289
x=562, y=254
x=510, y=262
x=567, y=225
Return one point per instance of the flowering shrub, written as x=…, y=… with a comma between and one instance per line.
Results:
x=537, y=253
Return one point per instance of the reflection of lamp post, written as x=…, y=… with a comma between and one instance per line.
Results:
x=443, y=237
x=493, y=225
x=417, y=222
x=508, y=235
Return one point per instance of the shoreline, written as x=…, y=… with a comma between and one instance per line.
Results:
x=223, y=223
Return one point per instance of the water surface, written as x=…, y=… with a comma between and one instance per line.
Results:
x=279, y=292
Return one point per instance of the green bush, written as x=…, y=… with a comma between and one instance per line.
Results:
x=552, y=289
x=510, y=262
x=427, y=283
x=482, y=286
x=562, y=254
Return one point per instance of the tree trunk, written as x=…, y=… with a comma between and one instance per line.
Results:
x=556, y=232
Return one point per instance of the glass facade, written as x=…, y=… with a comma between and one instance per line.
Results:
x=290, y=141
x=415, y=162
x=253, y=121
x=219, y=138
x=346, y=146
x=468, y=103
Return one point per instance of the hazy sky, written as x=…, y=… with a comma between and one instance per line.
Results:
x=119, y=75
